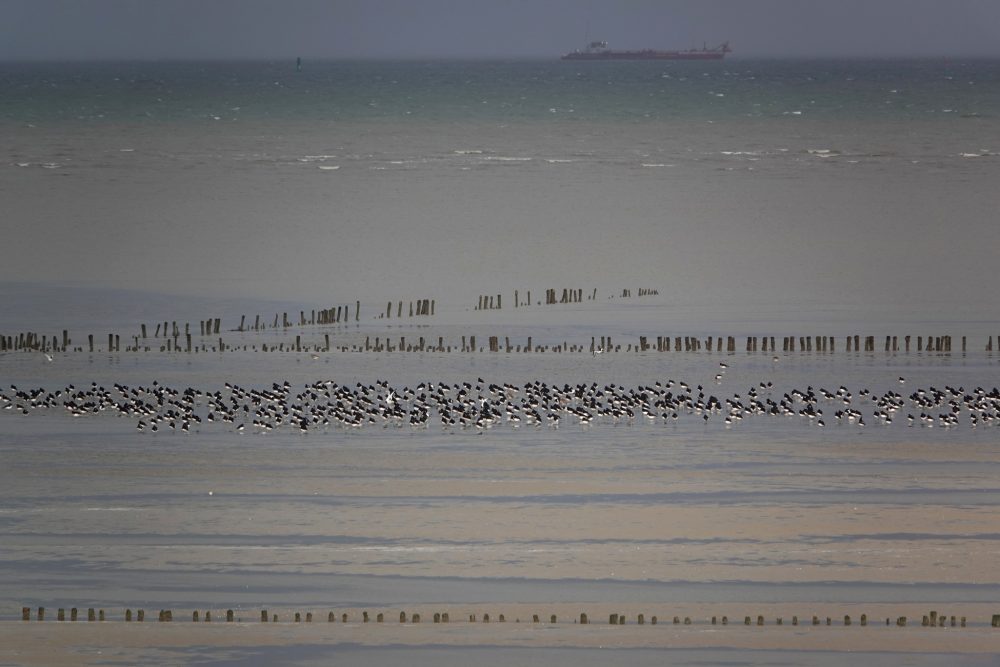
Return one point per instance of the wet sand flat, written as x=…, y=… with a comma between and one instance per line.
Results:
x=112, y=643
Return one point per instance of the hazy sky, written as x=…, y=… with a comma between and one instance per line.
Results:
x=73, y=29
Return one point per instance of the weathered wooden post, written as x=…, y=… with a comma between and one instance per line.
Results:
x=263, y=615
x=25, y=613
x=584, y=621
x=229, y=616
x=381, y=617
x=194, y=616
x=91, y=615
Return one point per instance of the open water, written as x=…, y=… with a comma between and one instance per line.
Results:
x=758, y=197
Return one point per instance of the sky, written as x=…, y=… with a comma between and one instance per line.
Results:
x=197, y=29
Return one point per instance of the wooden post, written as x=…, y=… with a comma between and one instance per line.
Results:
x=263, y=615
x=584, y=621
x=25, y=613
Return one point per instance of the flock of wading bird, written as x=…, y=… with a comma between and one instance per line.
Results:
x=323, y=405
x=481, y=405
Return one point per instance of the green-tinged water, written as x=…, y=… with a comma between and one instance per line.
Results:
x=499, y=91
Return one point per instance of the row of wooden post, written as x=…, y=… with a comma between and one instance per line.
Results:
x=937, y=344
x=554, y=296
x=642, y=291
x=933, y=619
x=425, y=307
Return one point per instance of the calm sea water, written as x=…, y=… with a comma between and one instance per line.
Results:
x=759, y=197
x=526, y=91
x=867, y=183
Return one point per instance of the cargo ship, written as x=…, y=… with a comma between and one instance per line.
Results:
x=600, y=51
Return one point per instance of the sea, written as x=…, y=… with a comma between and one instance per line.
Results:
x=746, y=198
